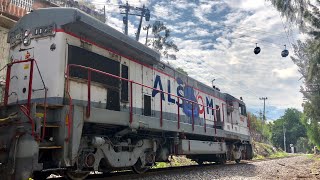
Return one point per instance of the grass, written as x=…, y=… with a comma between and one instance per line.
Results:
x=258, y=157
x=263, y=151
x=314, y=157
x=161, y=165
x=272, y=156
x=279, y=154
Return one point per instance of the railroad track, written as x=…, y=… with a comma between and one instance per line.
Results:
x=128, y=174
x=152, y=172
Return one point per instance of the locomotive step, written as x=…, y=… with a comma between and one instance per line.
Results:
x=50, y=106
x=50, y=147
x=49, y=125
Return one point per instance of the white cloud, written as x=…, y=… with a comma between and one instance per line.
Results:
x=216, y=40
x=286, y=72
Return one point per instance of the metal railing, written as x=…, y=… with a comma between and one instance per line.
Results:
x=90, y=70
x=27, y=110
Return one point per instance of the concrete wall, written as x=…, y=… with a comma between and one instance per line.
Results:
x=4, y=53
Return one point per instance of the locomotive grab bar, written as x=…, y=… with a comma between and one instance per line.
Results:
x=90, y=70
x=27, y=110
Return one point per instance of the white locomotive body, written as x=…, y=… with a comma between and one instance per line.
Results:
x=88, y=98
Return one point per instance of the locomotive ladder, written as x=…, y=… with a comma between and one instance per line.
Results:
x=27, y=110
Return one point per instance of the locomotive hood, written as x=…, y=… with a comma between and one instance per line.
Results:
x=86, y=27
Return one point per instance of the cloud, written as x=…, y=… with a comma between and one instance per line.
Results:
x=286, y=72
x=216, y=40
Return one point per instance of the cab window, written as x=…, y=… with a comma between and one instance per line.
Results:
x=242, y=109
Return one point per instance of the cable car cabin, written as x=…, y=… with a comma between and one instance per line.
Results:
x=81, y=96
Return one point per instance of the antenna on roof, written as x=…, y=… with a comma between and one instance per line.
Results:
x=212, y=83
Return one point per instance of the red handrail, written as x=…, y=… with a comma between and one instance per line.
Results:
x=6, y=95
x=131, y=103
x=69, y=116
x=89, y=94
x=30, y=85
x=27, y=110
x=192, y=116
x=178, y=112
x=6, y=91
x=161, y=109
x=131, y=96
x=248, y=120
x=222, y=113
x=204, y=120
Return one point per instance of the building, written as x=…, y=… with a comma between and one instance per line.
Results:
x=12, y=10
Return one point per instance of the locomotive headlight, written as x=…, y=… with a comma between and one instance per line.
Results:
x=26, y=41
x=26, y=33
x=26, y=38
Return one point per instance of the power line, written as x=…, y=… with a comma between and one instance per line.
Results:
x=264, y=107
x=254, y=30
x=219, y=74
x=223, y=25
x=285, y=32
x=144, y=13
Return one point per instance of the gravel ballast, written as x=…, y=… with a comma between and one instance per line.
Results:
x=296, y=167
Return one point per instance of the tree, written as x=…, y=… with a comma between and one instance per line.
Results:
x=290, y=122
x=259, y=130
x=304, y=145
x=307, y=16
x=161, y=41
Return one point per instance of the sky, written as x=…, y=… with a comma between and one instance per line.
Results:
x=216, y=39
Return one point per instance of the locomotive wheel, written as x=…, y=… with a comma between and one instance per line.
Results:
x=200, y=162
x=73, y=175
x=138, y=168
x=41, y=175
x=237, y=161
x=222, y=159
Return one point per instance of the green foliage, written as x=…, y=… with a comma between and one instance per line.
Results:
x=161, y=165
x=279, y=155
x=306, y=15
x=290, y=124
x=304, y=145
x=258, y=157
x=161, y=40
x=310, y=119
x=263, y=150
x=260, y=130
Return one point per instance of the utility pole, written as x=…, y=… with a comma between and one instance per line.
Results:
x=147, y=28
x=125, y=19
x=144, y=13
x=284, y=138
x=104, y=13
x=264, y=107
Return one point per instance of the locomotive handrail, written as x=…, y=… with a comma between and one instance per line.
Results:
x=27, y=110
x=89, y=70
